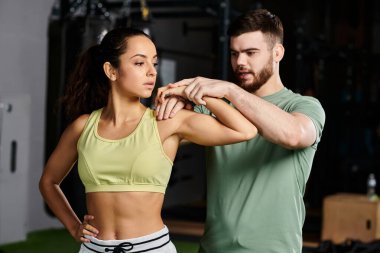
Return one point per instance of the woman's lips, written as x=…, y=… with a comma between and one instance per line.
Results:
x=149, y=85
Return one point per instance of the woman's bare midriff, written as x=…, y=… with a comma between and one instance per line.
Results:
x=124, y=215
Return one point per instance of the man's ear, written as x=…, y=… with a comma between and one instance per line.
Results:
x=278, y=52
x=110, y=71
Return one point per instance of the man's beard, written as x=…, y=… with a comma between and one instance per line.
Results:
x=259, y=79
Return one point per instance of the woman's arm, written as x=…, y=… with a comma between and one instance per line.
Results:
x=229, y=126
x=58, y=166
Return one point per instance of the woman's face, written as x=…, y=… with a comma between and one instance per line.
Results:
x=137, y=73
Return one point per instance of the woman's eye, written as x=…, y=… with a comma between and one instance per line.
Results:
x=139, y=63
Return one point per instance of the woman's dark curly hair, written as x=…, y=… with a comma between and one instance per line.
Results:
x=88, y=86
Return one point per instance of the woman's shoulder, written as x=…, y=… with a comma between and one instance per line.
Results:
x=82, y=119
x=181, y=115
x=79, y=123
x=176, y=120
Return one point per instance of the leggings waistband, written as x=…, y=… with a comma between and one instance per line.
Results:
x=145, y=243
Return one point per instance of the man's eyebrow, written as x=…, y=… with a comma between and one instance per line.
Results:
x=246, y=50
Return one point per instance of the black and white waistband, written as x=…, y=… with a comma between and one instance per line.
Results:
x=147, y=243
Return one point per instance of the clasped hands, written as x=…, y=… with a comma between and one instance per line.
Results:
x=173, y=97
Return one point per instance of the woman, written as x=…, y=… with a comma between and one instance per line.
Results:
x=124, y=155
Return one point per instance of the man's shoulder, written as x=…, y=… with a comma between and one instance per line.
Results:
x=290, y=96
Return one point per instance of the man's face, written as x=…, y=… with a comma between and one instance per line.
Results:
x=251, y=60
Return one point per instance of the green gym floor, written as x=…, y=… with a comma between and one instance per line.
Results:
x=59, y=241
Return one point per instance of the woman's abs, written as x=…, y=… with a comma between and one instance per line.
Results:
x=124, y=215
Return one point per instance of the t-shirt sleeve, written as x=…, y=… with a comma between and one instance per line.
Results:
x=312, y=108
x=201, y=109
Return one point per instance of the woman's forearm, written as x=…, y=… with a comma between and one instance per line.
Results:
x=59, y=205
x=230, y=117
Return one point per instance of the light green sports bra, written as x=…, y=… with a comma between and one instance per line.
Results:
x=134, y=163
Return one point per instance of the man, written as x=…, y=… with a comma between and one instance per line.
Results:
x=255, y=188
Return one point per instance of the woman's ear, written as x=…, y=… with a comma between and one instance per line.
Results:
x=110, y=71
x=278, y=52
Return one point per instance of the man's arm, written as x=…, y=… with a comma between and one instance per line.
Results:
x=290, y=130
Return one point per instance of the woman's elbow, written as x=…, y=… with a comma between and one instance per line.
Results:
x=250, y=134
x=45, y=184
x=42, y=184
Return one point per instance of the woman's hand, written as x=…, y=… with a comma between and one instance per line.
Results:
x=171, y=99
x=170, y=92
x=85, y=229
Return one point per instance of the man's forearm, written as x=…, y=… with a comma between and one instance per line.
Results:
x=272, y=122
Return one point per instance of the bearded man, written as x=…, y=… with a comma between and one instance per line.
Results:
x=255, y=188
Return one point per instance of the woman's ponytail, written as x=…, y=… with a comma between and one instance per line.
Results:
x=87, y=88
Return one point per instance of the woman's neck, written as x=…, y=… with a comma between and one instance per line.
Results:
x=121, y=111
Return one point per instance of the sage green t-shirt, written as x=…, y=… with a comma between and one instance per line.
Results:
x=255, y=188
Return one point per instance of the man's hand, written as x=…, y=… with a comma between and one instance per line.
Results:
x=168, y=103
x=199, y=87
